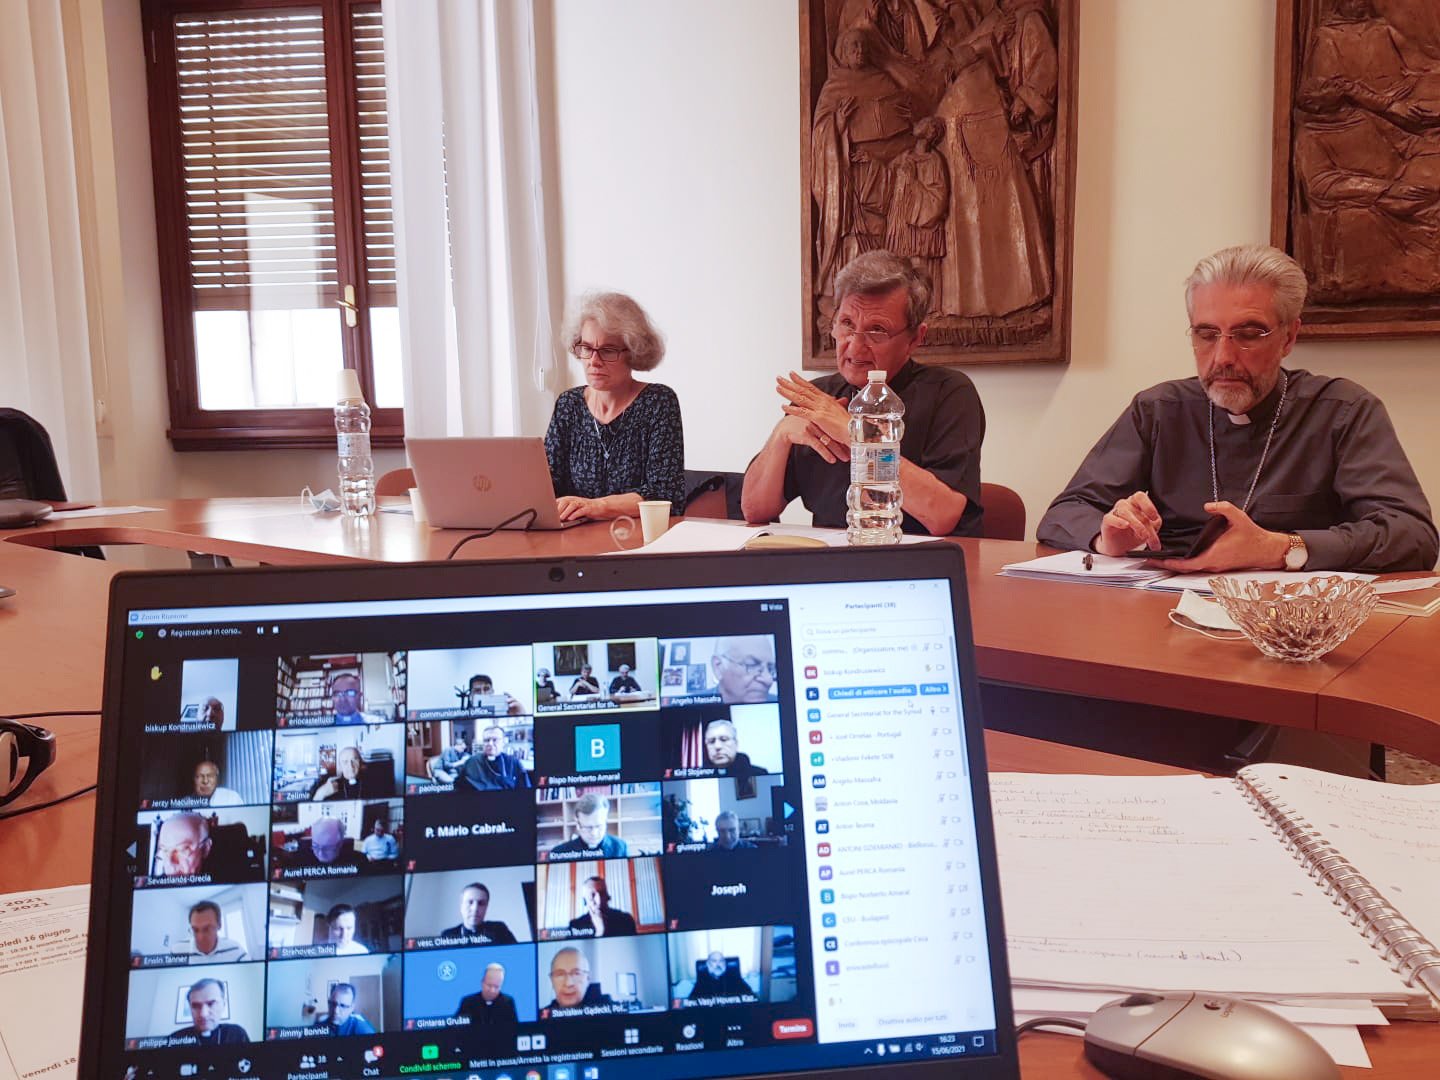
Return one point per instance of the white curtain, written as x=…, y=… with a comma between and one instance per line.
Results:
x=44, y=337
x=475, y=294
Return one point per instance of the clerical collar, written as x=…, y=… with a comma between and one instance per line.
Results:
x=1263, y=411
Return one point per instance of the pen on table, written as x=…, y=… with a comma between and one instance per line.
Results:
x=1089, y=561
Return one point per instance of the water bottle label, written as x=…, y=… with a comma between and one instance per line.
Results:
x=353, y=443
x=871, y=464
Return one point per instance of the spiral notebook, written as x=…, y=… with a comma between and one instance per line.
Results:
x=1282, y=884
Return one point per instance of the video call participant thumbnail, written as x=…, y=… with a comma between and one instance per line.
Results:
x=191, y=925
x=492, y=767
x=188, y=847
x=592, y=838
x=219, y=1005
x=344, y=995
x=737, y=966
x=585, y=978
x=621, y=898
x=573, y=822
x=198, y=771
x=207, y=1000
x=209, y=691
x=329, y=691
x=352, y=916
x=489, y=990
x=445, y=832
x=597, y=748
x=317, y=840
x=492, y=681
x=473, y=926
x=469, y=907
x=722, y=740
x=318, y=765
x=734, y=670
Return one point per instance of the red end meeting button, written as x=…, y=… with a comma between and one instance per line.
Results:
x=792, y=1029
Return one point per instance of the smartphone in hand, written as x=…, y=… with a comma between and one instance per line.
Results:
x=1208, y=535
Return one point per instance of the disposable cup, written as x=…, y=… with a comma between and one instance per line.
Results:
x=417, y=507
x=654, y=518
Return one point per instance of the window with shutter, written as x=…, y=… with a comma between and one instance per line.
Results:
x=272, y=192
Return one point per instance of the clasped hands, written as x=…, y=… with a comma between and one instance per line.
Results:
x=813, y=418
x=1133, y=522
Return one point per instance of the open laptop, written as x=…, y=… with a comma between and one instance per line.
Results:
x=767, y=790
x=478, y=483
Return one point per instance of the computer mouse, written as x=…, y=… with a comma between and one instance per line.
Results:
x=1183, y=1036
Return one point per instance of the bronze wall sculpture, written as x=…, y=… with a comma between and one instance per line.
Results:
x=1356, y=185
x=944, y=131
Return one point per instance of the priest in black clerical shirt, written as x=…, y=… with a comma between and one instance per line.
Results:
x=491, y=1012
x=207, y=1002
x=1305, y=469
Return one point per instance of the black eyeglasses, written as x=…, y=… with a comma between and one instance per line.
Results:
x=608, y=354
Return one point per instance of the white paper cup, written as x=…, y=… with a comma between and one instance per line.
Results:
x=417, y=507
x=654, y=518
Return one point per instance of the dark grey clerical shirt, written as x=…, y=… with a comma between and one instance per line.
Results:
x=1335, y=474
x=944, y=427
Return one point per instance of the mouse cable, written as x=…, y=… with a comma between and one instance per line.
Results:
x=1048, y=1021
x=493, y=530
x=46, y=805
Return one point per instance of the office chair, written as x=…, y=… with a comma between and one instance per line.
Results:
x=28, y=469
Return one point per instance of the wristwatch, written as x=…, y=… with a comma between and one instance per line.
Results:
x=1297, y=554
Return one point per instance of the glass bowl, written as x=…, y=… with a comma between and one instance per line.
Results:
x=1301, y=620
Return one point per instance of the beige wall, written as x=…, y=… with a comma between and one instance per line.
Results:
x=680, y=183
x=676, y=137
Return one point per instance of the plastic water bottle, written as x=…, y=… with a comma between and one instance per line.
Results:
x=352, y=437
x=876, y=425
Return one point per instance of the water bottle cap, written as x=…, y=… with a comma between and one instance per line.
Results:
x=876, y=374
x=347, y=385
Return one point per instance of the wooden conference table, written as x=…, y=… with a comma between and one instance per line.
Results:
x=52, y=638
x=1111, y=644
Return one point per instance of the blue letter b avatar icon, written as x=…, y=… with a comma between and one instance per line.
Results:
x=597, y=748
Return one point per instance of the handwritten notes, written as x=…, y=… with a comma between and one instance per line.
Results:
x=1167, y=883
x=1390, y=833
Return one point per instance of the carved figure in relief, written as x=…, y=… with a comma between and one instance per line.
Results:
x=896, y=24
x=997, y=251
x=919, y=201
x=862, y=122
x=1032, y=71
x=966, y=192
x=1367, y=159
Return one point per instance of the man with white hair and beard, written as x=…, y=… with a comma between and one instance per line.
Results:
x=1305, y=469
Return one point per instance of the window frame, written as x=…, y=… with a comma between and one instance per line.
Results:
x=193, y=428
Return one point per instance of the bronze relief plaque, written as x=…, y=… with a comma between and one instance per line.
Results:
x=1355, y=194
x=943, y=130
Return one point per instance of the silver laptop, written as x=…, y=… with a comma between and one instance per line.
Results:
x=478, y=483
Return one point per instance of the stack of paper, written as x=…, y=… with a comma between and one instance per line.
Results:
x=1410, y=596
x=1084, y=567
x=1089, y=569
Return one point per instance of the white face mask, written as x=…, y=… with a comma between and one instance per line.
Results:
x=325, y=501
x=1194, y=612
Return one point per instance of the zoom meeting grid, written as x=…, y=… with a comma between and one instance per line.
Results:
x=475, y=839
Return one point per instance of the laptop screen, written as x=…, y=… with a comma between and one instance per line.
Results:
x=554, y=832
